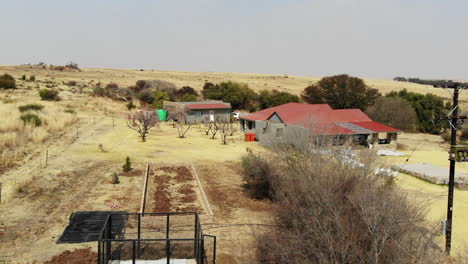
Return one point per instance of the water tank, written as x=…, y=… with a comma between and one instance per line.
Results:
x=162, y=115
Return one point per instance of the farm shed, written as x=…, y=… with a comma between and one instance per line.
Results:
x=296, y=123
x=199, y=112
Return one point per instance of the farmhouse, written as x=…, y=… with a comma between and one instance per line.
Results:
x=296, y=123
x=199, y=112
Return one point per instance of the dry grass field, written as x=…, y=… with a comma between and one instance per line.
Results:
x=38, y=199
x=127, y=77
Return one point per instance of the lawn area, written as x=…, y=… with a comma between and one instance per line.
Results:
x=423, y=148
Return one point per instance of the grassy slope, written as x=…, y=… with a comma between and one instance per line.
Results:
x=126, y=77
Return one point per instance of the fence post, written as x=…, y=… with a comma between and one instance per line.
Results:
x=134, y=253
x=47, y=157
x=139, y=234
x=0, y=193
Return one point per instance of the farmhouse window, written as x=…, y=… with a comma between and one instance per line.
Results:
x=279, y=132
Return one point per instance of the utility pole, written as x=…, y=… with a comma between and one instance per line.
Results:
x=453, y=142
x=457, y=154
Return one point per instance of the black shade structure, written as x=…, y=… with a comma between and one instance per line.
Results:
x=86, y=226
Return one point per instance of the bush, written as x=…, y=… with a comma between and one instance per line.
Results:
x=267, y=99
x=71, y=83
x=159, y=98
x=330, y=211
x=49, y=95
x=7, y=82
x=257, y=174
x=32, y=78
x=186, y=92
x=188, y=98
x=31, y=118
x=238, y=94
x=341, y=92
x=130, y=105
x=128, y=165
x=395, y=112
x=428, y=109
x=146, y=96
x=30, y=107
x=23, y=77
x=115, y=178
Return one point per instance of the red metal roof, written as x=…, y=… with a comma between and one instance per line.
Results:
x=321, y=119
x=374, y=126
x=207, y=106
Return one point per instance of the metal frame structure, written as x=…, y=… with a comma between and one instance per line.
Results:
x=133, y=245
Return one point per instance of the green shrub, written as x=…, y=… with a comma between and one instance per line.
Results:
x=70, y=111
x=159, y=98
x=238, y=94
x=30, y=107
x=429, y=108
x=32, y=78
x=7, y=82
x=23, y=77
x=115, y=178
x=274, y=98
x=31, y=118
x=49, y=95
x=128, y=165
x=188, y=98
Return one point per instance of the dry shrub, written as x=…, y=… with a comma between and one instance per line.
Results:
x=8, y=139
x=395, y=112
x=38, y=135
x=16, y=134
x=331, y=210
x=257, y=174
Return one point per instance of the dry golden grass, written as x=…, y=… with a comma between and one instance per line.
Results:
x=127, y=77
x=15, y=134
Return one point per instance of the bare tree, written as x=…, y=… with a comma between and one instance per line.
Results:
x=207, y=127
x=183, y=125
x=142, y=122
x=180, y=121
x=214, y=129
x=225, y=129
x=233, y=128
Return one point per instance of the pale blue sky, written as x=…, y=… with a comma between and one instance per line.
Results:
x=367, y=38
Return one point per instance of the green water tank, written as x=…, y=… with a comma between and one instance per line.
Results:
x=162, y=114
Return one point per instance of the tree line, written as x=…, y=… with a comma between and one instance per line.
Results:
x=440, y=83
x=404, y=110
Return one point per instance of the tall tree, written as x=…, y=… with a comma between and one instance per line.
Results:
x=341, y=92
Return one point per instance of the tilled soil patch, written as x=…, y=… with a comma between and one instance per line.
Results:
x=77, y=256
x=174, y=190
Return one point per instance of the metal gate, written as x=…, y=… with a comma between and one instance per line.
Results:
x=209, y=249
